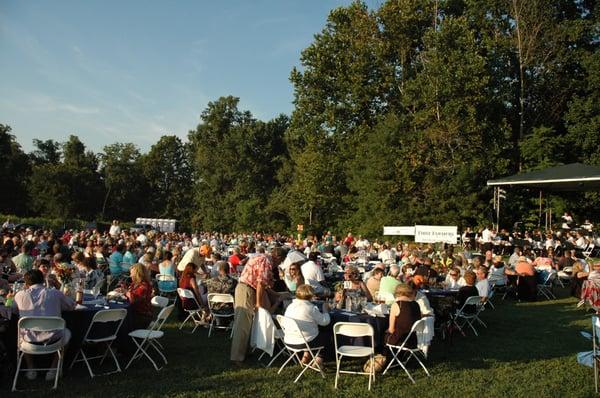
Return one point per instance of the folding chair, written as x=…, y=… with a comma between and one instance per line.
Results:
x=468, y=317
x=353, y=329
x=39, y=324
x=146, y=338
x=219, y=298
x=587, y=253
x=396, y=350
x=167, y=284
x=194, y=314
x=159, y=301
x=545, y=288
x=289, y=326
x=596, y=347
x=103, y=318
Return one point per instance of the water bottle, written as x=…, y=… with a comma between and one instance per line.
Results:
x=348, y=303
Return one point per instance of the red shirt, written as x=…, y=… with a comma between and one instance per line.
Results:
x=140, y=296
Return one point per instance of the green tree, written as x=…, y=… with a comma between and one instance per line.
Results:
x=14, y=171
x=167, y=171
x=46, y=152
x=69, y=189
x=124, y=182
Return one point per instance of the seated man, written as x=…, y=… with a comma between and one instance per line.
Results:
x=469, y=290
x=37, y=300
x=312, y=273
x=222, y=283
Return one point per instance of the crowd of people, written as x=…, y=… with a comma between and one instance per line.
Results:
x=283, y=273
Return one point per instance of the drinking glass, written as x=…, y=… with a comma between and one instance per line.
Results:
x=96, y=291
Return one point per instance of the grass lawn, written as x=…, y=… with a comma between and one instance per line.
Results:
x=528, y=350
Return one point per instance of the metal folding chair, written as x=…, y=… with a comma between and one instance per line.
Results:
x=146, y=338
x=194, y=314
x=464, y=317
x=545, y=288
x=396, y=350
x=353, y=329
x=220, y=298
x=290, y=326
x=39, y=324
x=102, y=318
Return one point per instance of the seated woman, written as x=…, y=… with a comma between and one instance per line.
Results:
x=188, y=281
x=453, y=279
x=469, y=290
x=403, y=314
x=309, y=318
x=527, y=282
x=294, y=279
x=356, y=285
x=139, y=294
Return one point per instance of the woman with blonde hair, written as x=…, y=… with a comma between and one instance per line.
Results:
x=403, y=314
x=140, y=295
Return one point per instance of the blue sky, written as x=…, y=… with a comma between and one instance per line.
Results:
x=131, y=71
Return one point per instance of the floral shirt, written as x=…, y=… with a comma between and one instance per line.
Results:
x=257, y=271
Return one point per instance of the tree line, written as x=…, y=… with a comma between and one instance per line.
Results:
x=401, y=114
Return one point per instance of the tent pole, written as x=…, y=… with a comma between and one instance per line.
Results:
x=540, y=217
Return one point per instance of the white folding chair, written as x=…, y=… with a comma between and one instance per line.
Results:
x=146, y=338
x=596, y=347
x=353, y=329
x=39, y=324
x=464, y=316
x=290, y=326
x=159, y=301
x=545, y=288
x=396, y=350
x=194, y=314
x=587, y=253
x=222, y=299
x=167, y=284
x=116, y=317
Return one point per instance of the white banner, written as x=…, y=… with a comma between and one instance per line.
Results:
x=435, y=234
x=398, y=230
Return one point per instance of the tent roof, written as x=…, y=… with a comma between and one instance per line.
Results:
x=570, y=177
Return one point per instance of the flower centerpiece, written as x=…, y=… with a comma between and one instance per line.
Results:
x=64, y=273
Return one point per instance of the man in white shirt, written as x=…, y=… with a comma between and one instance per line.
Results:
x=37, y=300
x=115, y=229
x=312, y=273
x=514, y=258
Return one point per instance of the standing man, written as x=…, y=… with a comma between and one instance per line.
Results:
x=250, y=294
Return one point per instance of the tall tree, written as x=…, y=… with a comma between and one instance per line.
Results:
x=14, y=171
x=124, y=181
x=167, y=171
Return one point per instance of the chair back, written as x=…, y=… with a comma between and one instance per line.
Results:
x=289, y=326
x=185, y=293
x=219, y=298
x=159, y=301
x=41, y=323
x=417, y=328
x=353, y=329
x=116, y=316
x=471, y=301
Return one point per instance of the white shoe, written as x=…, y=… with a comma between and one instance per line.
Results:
x=31, y=375
x=51, y=375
